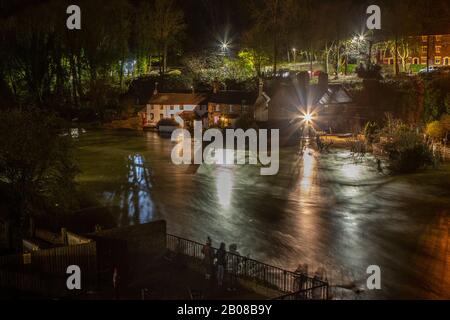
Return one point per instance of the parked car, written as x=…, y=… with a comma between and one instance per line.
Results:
x=431, y=69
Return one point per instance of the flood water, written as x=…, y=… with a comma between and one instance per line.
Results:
x=327, y=210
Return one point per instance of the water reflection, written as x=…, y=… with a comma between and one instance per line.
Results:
x=134, y=198
x=224, y=186
x=321, y=209
x=309, y=165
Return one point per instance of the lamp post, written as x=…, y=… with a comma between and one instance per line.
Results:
x=295, y=53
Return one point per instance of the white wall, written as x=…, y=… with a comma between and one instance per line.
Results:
x=168, y=112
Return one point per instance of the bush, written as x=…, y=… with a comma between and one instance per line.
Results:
x=37, y=166
x=404, y=147
x=445, y=122
x=370, y=132
x=435, y=130
x=373, y=71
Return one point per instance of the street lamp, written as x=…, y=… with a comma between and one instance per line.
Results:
x=224, y=46
x=295, y=53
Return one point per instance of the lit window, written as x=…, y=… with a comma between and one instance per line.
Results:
x=438, y=38
x=437, y=60
x=424, y=49
x=424, y=38
x=438, y=49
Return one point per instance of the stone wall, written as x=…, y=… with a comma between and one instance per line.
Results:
x=132, y=248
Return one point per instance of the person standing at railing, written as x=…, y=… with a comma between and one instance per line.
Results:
x=221, y=257
x=208, y=258
x=234, y=263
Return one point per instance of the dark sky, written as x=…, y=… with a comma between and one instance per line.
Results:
x=212, y=20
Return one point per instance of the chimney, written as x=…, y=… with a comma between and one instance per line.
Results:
x=156, y=88
x=260, y=87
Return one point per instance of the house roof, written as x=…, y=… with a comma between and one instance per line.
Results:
x=290, y=95
x=179, y=99
x=233, y=97
x=336, y=94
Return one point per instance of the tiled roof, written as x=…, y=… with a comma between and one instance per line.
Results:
x=179, y=99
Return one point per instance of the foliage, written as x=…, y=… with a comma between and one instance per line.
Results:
x=371, y=131
x=436, y=98
x=445, y=122
x=372, y=71
x=435, y=130
x=36, y=164
x=167, y=24
x=404, y=147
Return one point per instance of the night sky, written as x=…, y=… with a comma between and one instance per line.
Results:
x=212, y=20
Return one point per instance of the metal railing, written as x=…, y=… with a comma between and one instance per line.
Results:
x=296, y=286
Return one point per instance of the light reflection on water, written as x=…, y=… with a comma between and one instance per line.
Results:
x=324, y=210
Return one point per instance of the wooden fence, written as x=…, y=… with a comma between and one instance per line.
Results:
x=44, y=272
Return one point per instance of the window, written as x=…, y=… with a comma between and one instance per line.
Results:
x=161, y=116
x=423, y=60
x=437, y=60
x=424, y=49
x=217, y=108
x=438, y=38
x=446, y=61
x=438, y=49
x=424, y=38
x=181, y=108
x=415, y=60
x=172, y=107
x=161, y=107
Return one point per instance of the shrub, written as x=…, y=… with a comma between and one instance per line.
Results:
x=404, y=148
x=370, y=132
x=373, y=71
x=445, y=122
x=435, y=130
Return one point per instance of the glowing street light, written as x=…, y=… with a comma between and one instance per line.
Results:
x=224, y=46
x=308, y=118
x=295, y=53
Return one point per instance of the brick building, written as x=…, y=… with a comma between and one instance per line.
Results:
x=439, y=51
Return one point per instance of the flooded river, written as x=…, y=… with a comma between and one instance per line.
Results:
x=326, y=210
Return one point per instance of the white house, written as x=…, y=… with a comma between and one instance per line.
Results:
x=181, y=107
